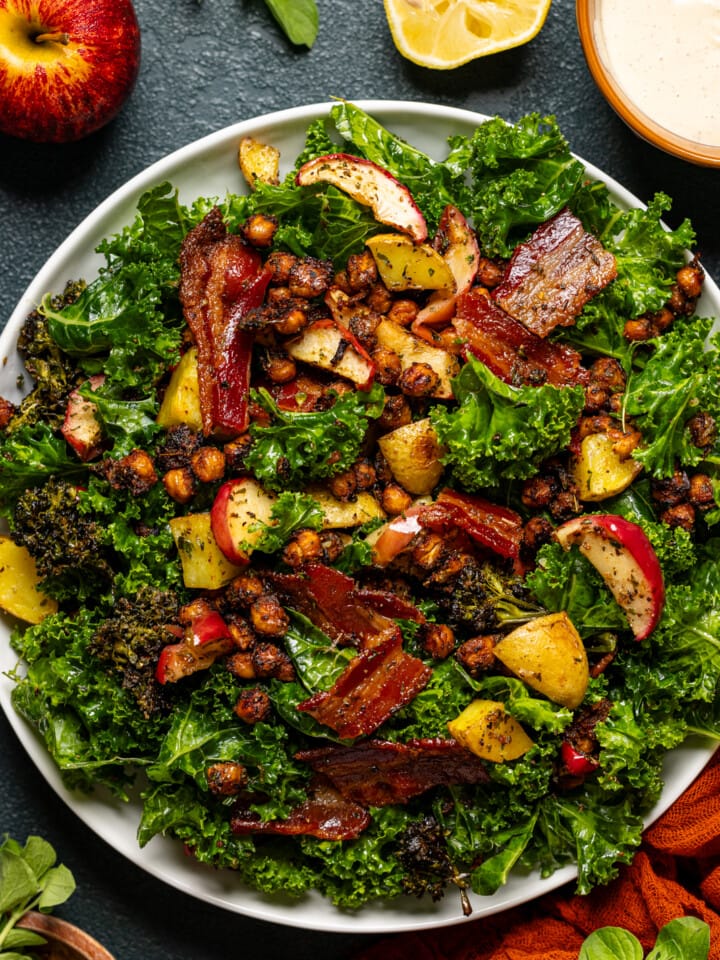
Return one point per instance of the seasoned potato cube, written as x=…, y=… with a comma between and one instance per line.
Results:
x=489, y=732
x=599, y=472
x=406, y=265
x=413, y=349
x=258, y=162
x=204, y=565
x=413, y=454
x=340, y=514
x=19, y=593
x=548, y=655
x=181, y=403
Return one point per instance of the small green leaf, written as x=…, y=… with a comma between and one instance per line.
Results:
x=39, y=856
x=685, y=938
x=58, y=885
x=19, y=938
x=18, y=882
x=298, y=19
x=611, y=943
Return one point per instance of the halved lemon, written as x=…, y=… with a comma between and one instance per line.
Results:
x=442, y=34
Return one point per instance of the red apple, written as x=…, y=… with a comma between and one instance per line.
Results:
x=81, y=428
x=66, y=66
x=625, y=559
x=239, y=511
x=371, y=185
x=392, y=538
x=457, y=242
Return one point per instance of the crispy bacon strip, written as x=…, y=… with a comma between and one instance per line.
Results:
x=374, y=686
x=552, y=276
x=489, y=524
x=330, y=600
x=377, y=772
x=509, y=349
x=325, y=815
x=221, y=278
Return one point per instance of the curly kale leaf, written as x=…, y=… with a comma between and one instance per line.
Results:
x=292, y=511
x=127, y=322
x=567, y=581
x=522, y=174
x=648, y=256
x=500, y=432
x=29, y=457
x=687, y=640
x=91, y=726
x=599, y=835
x=679, y=379
x=298, y=448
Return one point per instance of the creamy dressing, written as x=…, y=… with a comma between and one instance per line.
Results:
x=665, y=54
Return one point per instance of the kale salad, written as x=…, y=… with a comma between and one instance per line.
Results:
x=364, y=523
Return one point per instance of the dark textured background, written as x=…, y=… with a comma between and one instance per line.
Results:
x=206, y=65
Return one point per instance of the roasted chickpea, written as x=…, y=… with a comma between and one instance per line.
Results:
x=253, y=705
x=180, y=484
x=418, y=380
x=403, y=311
x=395, y=499
x=259, y=229
x=268, y=617
x=305, y=545
x=208, y=464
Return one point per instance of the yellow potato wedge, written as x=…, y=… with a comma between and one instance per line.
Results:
x=599, y=472
x=413, y=454
x=489, y=732
x=548, y=655
x=406, y=265
x=413, y=349
x=19, y=593
x=259, y=162
x=204, y=565
x=181, y=403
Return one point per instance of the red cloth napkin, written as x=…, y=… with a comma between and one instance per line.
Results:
x=675, y=873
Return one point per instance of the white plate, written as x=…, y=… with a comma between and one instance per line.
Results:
x=208, y=167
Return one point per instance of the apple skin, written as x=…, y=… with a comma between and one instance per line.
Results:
x=367, y=183
x=60, y=90
x=625, y=559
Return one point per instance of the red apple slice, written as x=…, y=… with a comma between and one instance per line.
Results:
x=392, y=538
x=624, y=557
x=327, y=345
x=81, y=428
x=239, y=509
x=369, y=184
x=461, y=253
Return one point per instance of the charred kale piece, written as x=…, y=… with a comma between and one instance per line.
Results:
x=66, y=545
x=53, y=372
x=131, y=639
x=423, y=854
x=483, y=598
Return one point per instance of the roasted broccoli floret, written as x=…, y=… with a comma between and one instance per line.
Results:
x=423, y=854
x=483, y=599
x=67, y=546
x=53, y=372
x=131, y=640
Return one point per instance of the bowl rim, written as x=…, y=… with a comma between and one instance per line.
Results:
x=56, y=931
x=643, y=125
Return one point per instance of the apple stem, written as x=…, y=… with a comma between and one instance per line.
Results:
x=57, y=37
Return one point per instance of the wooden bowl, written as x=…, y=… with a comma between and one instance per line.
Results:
x=64, y=940
x=589, y=13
